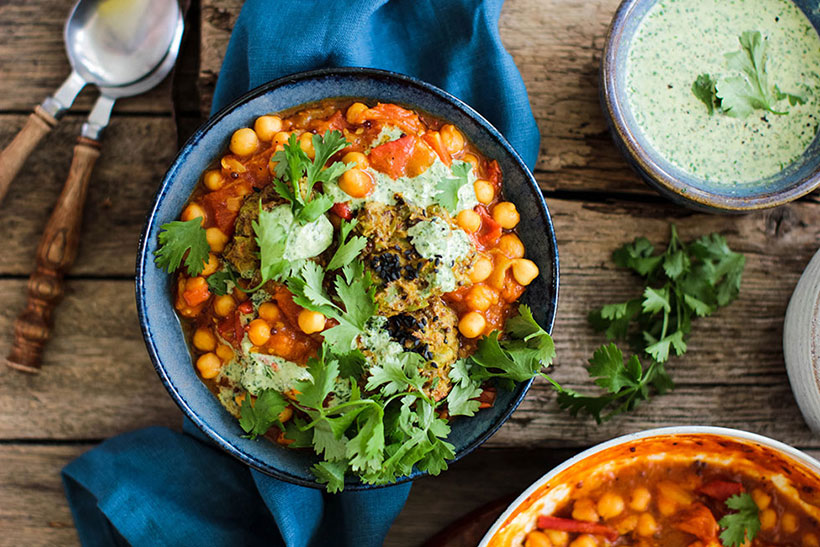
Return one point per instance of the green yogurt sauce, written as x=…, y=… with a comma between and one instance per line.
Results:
x=677, y=40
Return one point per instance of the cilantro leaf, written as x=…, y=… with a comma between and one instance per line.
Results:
x=256, y=418
x=463, y=397
x=271, y=237
x=626, y=384
x=794, y=98
x=332, y=474
x=347, y=249
x=221, y=282
x=749, y=91
x=448, y=187
x=516, y=358
x=395, y=375
x=704, y=89
x=313, y=393
x=178, y=238
x=740, y=527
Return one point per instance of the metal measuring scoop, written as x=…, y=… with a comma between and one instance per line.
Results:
x=110, y=43
x=58, y=245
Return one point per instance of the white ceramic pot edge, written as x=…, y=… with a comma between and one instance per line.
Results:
x=790, y=451
x=801, y=338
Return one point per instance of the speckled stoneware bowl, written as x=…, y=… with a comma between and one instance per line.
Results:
x=801, y=343
x=789, y=470
x=796, y=180
x=161, y=327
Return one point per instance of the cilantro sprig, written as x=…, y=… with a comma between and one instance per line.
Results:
x=182, y=242
x=746, y=89
x=449, y=187
x=743, y=525
x=296, y=174
x=348, y=249
x=684, y=282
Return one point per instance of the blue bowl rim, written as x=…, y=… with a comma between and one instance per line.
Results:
x=651, y=171
x=144, y=260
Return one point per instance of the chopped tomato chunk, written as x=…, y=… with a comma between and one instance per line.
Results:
x=391, y=157
x=395, y=115
x=490, y=230
x=434, y=140
x=698, y=521
x=245, y=307
x=196, y=295
x=721, y=490
x=342, y=210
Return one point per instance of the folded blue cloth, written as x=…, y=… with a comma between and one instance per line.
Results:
x=159, y=487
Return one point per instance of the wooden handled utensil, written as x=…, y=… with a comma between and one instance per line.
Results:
x=58, y=246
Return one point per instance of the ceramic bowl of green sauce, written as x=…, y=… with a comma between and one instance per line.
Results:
x=716, y=104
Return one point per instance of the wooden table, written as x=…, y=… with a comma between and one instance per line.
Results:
x=97, y=380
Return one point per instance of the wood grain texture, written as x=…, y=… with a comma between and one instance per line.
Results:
x=14, y=155
x=135, y=154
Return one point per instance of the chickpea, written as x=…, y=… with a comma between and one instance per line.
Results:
x=225, y=352
x=356, y=157
x=482, y=268
x=481, y=297
x=646, y=525
x=306, y=144
x=224, y=305
x=639, y=501
x=192, y=211
x=281, y=139
x=469, y=220
x=354, y=113
x=768, y=519
x=211, y=266
x=524, y=271
x=761, y=499
x=213, y=179
x=584, y=509
x=676, y=493
x=789, y=523
x=537, y=538
x=666, y=506
x=452, y=138
x=484, y=191
x=627, y=524
x=270, y=312
x=472, y=160
x=499, y=276
x=506, y=215
x=810, y=540
x=259, y=332
x=208, y=365
x=267, y=126
x=609, y=505
x=511, y=246
x=356, y=183
x=244, y=142
x=584, y=541
x=204, y=339
x=311, y=321
x=472, y=324
x=216, y=238
x=559, y=538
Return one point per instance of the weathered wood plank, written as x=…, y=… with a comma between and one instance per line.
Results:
x=135, y=154
x=33, y=61
x=33, y=508
x=96, y=380
x=96, y=368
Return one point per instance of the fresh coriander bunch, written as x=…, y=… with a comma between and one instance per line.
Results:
x=682, y=283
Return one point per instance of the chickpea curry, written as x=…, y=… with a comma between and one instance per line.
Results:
x=733, y=497
x=349, y=275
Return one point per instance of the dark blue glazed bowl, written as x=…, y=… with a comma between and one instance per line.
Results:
x=161, y=327
x=795, y=181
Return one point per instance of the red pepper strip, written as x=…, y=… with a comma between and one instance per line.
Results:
x=434, y=140
x=342, y=210
x=391, y=157
x=245, y=307
x=490, y=230
x=721, y=490
x=568, y=525
x=487, y=397
x=238, y=331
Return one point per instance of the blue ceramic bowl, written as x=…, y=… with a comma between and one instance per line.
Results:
x=797, y=180
x=161, y=327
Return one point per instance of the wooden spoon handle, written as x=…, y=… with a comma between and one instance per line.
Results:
x=55, y=255
x=13, y=157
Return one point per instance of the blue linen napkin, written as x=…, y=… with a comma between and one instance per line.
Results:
x=159, y=487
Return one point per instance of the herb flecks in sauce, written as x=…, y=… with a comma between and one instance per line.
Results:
x=678, y=40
